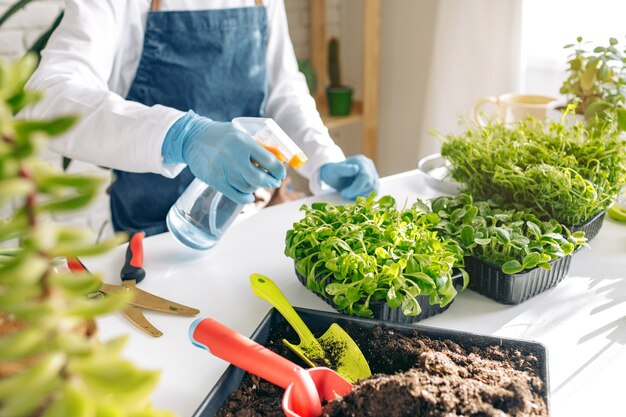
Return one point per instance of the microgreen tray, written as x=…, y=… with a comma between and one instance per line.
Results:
x=490, y=281
x=385, y=313
x=319, y=321
x=592, y=227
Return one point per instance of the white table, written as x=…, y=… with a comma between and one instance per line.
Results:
x=582, y=321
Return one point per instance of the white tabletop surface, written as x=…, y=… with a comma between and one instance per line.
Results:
x=582, y=321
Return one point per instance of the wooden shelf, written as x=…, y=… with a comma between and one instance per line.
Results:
x=333, y=122
x=366, y=111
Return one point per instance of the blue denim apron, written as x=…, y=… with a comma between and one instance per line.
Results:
x=208, y=61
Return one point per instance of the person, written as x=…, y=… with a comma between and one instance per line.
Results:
x=155, y=85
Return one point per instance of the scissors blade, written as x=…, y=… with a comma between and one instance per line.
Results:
x=149, y=301
x=135, y=316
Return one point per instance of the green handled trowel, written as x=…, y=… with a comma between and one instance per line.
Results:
x=334, y=349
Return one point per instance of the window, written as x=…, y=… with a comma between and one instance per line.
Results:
x=548, y=25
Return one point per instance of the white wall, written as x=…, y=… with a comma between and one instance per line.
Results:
x=407, y=31
x=24, y=27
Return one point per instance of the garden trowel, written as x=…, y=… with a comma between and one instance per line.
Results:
x=334, y=349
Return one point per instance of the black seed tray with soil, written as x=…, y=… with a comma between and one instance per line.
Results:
x=383, y=312
x=418, y=371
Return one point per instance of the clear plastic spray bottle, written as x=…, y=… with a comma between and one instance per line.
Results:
x=201, y=214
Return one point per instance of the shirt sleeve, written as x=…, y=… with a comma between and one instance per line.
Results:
x=289, y=102
x=73, y=74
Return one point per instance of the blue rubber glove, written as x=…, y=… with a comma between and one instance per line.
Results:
x=222, y=156
x=356, y=176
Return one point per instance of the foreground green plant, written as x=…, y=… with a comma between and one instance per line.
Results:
x=514, y=240
x=370, y=251
x=49, y=365
x=569, y=173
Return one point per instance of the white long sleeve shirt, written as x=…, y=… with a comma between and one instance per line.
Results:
x=89, y=65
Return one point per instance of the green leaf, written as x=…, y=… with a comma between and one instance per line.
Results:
x=503, y=235
x=531, y=260
x=15, y=188
x=73, y=401
x=115, y=377
x=467, y=235
x=51, y=127
x=79, y=248
x=482, y=241
x=90, y=308
x=621, y=119
x=21, y=344
x=23, y=269
x=41, y=373
x=512, y=267
x=76, y=284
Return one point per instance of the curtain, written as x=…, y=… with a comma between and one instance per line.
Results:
x=477, y=52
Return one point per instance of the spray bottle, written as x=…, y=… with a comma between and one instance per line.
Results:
x=201, y=214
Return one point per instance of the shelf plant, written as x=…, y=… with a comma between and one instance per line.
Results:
x=339, y=95
x=51, y=363
x=370, y=251
x=512, y=239
x=596, y=80
x=567, y=172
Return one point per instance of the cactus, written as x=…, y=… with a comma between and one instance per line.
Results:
x=334, y=69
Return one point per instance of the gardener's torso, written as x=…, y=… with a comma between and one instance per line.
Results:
x=210, y=61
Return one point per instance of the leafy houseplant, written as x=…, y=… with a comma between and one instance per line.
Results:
x=339, y=96
x=569, y=173
x=596, y=80
x=513, y=240
x=49, y=365
x=369, y=251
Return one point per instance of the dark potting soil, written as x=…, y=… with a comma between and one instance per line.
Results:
x=413, y=376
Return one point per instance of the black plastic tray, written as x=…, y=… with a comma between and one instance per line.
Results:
x=592, y=227
x=490, y=281
x=319, y=321
x=383, y=312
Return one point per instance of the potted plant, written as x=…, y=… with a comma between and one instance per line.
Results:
x=596, y=81
x=570, y=173
x=370, y=259
x=339, y=96
x=51, y=364
x=308, y=71
x=512, y=255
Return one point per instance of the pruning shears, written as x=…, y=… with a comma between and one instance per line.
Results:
x=131, y=274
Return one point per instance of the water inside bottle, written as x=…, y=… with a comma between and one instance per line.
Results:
x=202, y=226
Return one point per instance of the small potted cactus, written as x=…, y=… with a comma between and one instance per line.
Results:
x=339, y=96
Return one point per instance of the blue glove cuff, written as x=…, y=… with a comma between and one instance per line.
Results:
x=172, y=148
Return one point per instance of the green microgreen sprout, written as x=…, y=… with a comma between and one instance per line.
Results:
x=511, y=239
x=566, y=172
x=369, y=251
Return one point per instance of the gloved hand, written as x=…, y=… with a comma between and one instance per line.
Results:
x=222, y=156
x=356, y=176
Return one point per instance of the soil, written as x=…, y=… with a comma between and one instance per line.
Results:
x=413, y=376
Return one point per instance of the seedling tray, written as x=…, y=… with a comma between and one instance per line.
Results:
x=385, y=313
x=319, y=321
x=490, y=281
x=592, y=227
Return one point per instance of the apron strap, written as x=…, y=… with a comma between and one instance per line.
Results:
x=156, y=4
